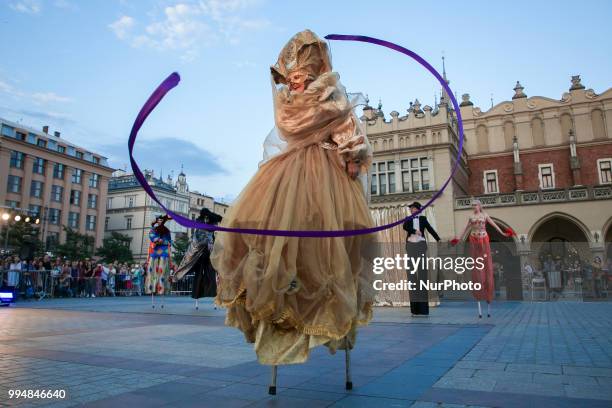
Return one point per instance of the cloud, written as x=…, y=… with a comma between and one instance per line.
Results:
x=38, y=98
x=50, y=117
x=45, y=97
x=167, y=153
x=26, y=6
x=187, y=26
x=122, y=27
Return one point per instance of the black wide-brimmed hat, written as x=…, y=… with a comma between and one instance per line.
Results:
x=213, y=218
x=416, y=205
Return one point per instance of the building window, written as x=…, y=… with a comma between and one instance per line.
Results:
x=109, y=203
x=605, y=171
x=35, y=210
x=12, y=203
x=96, y=160
x=52, y=240
x=92, y=201
x=39, y=166
x=8, y=131
x=36, y=189
x=129, y=201
x=106, y=220
x=75, y=197
x=58, y=171
x=93, y=180
x=128, y=222
x=91, y=222
x=79, y=155
x=415, y=174
x=17, y=160
x=490, y=182
x=41, y=143
x=14, y=184
x=55, y=215
x=61, y=149
x=383, y=178
x=56, y=193
x=547, y=176
x=73, y=220
x=76, y=176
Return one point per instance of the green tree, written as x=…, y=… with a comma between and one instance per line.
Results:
x=23, y=238
x=77, y=246
x=179, y=245
x=116, y=248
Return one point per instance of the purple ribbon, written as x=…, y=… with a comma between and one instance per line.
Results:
x=173, y=80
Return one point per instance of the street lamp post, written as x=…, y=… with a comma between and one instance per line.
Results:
x=5, y=218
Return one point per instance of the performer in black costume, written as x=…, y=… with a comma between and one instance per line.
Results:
x=416, y=246
x=197, y=259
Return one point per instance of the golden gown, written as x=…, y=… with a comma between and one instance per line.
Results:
x=288, y=294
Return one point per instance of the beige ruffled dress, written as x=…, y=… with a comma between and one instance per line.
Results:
x=286, y=294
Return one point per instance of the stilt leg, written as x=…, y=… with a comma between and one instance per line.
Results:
x=479, y=310
x=162, y=300
x=272, y=388
x=196, y=302
x=347, y=350
x=152, y=301
x=488, y=309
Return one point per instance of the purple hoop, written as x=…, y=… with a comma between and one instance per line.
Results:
x=173, y=79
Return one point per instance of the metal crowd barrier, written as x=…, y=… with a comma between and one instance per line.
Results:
x=29, y=284
x=182, y=287
x=47, y=283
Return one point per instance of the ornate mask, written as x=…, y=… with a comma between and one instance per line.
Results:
x=304, y=58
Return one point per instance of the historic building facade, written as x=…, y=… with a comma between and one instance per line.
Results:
x=130, y=211
x=540, y=166
x=64, y=184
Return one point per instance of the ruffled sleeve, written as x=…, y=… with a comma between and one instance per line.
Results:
x=353, y=145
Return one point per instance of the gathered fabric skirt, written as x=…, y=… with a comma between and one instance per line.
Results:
x=480, y=247
x=287, y=294
x=205, y=278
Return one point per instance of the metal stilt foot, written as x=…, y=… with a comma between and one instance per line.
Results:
x=272, y=388
x=347, y=350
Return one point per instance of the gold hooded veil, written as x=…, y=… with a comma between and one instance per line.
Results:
x=286, y=294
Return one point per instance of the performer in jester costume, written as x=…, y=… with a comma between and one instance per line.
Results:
x=158, y=261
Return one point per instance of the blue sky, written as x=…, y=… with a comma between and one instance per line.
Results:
x=86, y=67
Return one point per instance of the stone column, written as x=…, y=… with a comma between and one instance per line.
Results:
x=575, y=166
x=518, y=176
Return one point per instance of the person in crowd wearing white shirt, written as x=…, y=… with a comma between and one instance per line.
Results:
x=14, y=273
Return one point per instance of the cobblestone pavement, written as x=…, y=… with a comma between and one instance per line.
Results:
x=115, y=352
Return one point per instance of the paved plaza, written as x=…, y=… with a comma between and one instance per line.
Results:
x=114, y=352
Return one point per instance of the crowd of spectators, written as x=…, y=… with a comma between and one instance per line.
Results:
x=59, y=277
